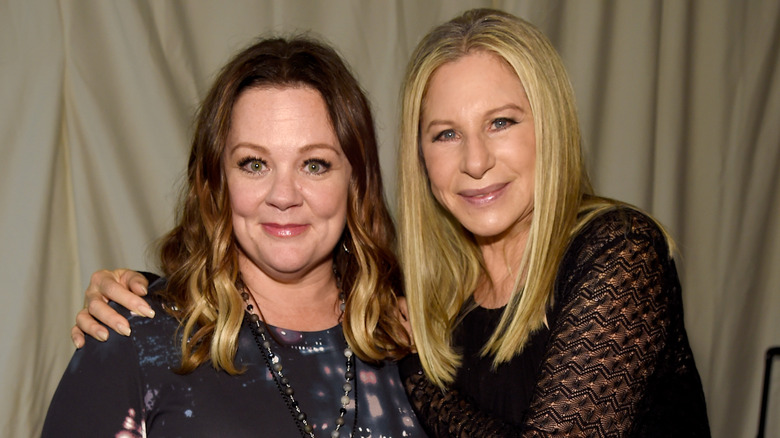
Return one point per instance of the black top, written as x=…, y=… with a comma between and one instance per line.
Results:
x=616, y=361
x=492, y=387
x=126, y=387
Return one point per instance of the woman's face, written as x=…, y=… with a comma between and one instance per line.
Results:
x=478, y=144
x=287, y=177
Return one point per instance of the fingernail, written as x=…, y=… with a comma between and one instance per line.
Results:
x=123, y=329
x=77, y=343
x=146, y=311
x=146, y=291
x=102, y=335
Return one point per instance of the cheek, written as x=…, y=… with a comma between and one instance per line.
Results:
x=338, y=210
x=332, y=217
x=327, y=201
x=439, y=172
x=529, y=164
x=242, y=200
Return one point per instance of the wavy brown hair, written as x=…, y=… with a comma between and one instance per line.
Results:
x=200, y=255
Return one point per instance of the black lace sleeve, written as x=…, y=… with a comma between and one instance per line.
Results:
x=617, y=362
x=447, y=413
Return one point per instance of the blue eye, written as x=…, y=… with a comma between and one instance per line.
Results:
x=502, y=123
x=448, y=134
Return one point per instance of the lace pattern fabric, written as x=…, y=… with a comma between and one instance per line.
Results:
x=617, y=362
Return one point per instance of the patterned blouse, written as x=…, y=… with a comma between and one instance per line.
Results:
x=126, y=388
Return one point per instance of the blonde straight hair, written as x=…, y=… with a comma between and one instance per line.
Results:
x=442, y=263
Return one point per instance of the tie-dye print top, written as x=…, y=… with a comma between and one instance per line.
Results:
x=125, y=387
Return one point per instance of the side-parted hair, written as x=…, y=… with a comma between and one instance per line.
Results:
x=200, y=255
x=442, y=262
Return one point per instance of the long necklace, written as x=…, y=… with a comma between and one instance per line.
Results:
x=274, y=365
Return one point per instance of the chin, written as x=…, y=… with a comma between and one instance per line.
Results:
x=486, y=231
x=489, y=227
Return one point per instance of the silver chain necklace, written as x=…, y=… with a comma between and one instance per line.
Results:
x=274, y=365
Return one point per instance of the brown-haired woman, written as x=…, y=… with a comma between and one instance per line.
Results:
x=279, y=300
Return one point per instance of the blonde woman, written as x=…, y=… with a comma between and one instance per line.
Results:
x=538, y=309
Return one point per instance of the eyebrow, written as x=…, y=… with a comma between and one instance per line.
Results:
x=315, y=146
x=304, y=149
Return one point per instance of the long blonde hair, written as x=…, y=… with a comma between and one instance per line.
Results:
x=200, y=255
x=442, y=263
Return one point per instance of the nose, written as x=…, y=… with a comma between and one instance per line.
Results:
x=477, y=157
x=285, y=192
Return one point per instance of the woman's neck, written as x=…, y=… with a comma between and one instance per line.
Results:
x=310, y=303
x=502, y=256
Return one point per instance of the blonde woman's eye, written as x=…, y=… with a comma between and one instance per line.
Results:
x=316, y=166
x=445, y=135
x=502, y=123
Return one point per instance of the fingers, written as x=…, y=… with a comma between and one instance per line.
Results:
x=121, y=286
x=77, y=336
x=137, y=283
x=98, y=310
x=86, y=324
x=105, y=286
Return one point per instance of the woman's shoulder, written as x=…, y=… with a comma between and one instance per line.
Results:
x=617, y=241
x=157, y=300
x=619, y=221
x=610, y=230
x=155, y=340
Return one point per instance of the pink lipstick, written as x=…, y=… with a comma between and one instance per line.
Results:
x=284, y=230
x=483, y=195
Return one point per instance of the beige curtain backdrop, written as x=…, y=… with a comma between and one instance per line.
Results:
x=679, y=100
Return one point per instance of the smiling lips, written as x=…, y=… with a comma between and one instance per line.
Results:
x=484, y=195
x=286, y=230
